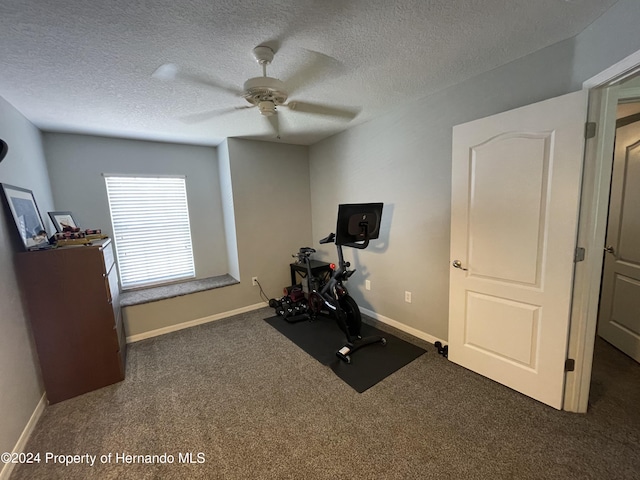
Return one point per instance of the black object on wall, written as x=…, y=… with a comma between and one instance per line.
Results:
x=4, y=148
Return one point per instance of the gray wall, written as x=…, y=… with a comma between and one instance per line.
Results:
x=20, y=384
x=269, y=186
x=77, y=162
x=272, y=208
x=608, y=40
x=404, y=160
x=226, y=190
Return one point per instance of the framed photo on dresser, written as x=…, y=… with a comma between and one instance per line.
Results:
x=62, y=220
x=26, y=216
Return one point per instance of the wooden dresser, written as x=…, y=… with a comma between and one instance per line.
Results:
x=72, y=298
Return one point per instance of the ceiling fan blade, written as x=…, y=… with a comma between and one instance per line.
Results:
x=202, y=116
x=317, y=66
x=166, y=72
x=274, y=122
x=295, y=24
x=171, y=72
x=318, y=109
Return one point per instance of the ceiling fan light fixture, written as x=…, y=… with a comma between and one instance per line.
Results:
x=265, y=89
x=267, y=108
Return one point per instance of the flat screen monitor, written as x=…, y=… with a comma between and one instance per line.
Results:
x=358, y=222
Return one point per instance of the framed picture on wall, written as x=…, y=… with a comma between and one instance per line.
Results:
x=26, y=217
x=62, y=220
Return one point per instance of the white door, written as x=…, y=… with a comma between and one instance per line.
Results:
x=515, y=195
x=619, y=317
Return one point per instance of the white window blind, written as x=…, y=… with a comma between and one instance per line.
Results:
x=150, y=219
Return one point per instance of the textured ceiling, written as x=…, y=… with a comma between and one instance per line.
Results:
x=85, y=65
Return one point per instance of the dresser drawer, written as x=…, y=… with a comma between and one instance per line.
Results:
x=120, y=338
x=109, y=258
x=112, y=287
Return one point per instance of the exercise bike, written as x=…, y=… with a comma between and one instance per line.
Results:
x=327, y=294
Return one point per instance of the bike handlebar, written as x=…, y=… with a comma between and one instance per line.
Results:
x=329, y=238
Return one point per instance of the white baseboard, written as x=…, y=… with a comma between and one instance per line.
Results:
x=219, y=316
x=192, y=323
x=5, y=473
x=401, y=326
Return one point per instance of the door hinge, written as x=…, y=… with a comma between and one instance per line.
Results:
x=569, y=365
x=590, y=129
x=579, y=255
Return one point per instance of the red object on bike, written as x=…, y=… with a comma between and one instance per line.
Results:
x=332, y=266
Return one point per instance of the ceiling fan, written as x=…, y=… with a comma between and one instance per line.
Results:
x=265, y=93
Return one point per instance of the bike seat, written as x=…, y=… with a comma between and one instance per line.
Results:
x=307, y=250
x=329, y=238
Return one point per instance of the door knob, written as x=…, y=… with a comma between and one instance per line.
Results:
x=458, y=264
x=609, y=249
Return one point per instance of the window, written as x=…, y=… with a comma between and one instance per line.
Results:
x=150, y=219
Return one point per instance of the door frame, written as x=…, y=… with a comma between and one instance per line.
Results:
x=604, y=93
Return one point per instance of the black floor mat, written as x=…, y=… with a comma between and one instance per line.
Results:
x=369, y=365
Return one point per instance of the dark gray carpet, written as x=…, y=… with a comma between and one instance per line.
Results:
x=258, y=409
x=369, y=365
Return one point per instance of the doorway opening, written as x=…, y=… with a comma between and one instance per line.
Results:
x=614, y=94
x=617, y=343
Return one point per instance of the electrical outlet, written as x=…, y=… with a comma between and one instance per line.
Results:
x=407, y=297
x=367, y=285
x=254, y=281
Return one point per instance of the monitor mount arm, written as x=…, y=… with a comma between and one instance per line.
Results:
x=364, y=227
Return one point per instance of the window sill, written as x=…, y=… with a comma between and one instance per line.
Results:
x=153, y=294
